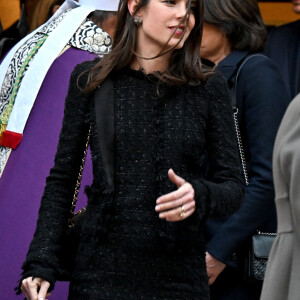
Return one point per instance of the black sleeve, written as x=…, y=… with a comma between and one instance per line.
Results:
x=221, y=195
x=42, y=258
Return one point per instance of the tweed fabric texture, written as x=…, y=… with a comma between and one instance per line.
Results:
x=126, y=251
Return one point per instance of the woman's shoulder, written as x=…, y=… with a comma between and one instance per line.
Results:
x=213, y=80
x=84, y=66
x=258, y=62
x=79, y=75
x=216, y=84
x=261, y=83
x=216, y=78
x=213, y=90
x=260, y=71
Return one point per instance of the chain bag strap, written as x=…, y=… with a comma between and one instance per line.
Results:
x=260, y=245
x=78, y=183
x=236, y=124
x=240, y=144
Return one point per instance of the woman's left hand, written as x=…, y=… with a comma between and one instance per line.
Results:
x=177, y=205
x=214, y=268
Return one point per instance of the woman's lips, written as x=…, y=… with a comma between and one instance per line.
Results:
x=177, y=30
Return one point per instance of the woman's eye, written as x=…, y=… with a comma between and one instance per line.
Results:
x=193, y=9
x=170, y=2
x=193, y=6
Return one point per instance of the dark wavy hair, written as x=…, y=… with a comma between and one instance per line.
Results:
x=240, y=20
x=100, y=16
x=185, y=64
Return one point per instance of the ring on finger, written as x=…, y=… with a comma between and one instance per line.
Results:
x=182, y=212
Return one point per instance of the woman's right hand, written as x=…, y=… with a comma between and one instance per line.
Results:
x=35, y=289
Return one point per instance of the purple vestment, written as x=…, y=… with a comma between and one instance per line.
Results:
x=23, y=179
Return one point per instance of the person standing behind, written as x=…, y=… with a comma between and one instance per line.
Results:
x=233, y=30
x=283, y=47
x=25, y=168
x=283, y=269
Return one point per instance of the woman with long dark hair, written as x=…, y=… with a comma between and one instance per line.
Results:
x=142, y=235
x=233, y=36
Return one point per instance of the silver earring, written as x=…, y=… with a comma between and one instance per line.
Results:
x=137, y=20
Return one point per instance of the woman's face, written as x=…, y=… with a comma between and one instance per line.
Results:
x=296, y=4
x=215, y=46
x=160, y=19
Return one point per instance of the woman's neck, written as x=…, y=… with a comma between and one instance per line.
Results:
x=145, y=61
x=220, y=55
x=159, y=64
x=222, y=52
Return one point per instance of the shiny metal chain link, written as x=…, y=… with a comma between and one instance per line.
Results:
x=240, y=143
x=78, y=183
x=267, y=233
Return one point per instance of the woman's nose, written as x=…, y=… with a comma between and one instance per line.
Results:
x=181, y=9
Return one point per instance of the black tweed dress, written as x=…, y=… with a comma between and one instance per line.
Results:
x=141, y=256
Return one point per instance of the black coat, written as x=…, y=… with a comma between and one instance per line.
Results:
x=283, y=46
x=261, y=100
x=125, y=250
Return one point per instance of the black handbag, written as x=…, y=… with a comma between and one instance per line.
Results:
x=103, y=101
x=257, y=256
x=259, y=246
